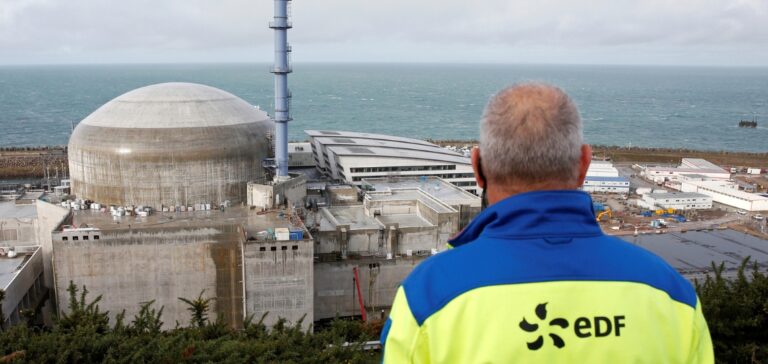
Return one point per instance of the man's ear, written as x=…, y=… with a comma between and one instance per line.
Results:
x=584, y=161
x=477, y=168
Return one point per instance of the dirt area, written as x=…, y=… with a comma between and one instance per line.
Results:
x=32, y=162
x=753, y=228
x=760, y=182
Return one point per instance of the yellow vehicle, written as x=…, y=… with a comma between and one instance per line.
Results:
x=604, y=213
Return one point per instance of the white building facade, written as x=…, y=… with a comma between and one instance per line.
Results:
x=677, y=201
x=352, y=156
x=606, y=184
x=729, y=194
x=688, y=166
x=598, y=168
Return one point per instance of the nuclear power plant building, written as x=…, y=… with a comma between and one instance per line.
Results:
x=352, y=156
x=170, y=144
x=181, y=190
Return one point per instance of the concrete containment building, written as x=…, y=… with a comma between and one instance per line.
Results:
x=170, y=144
x=351, y=157
x=233, y=255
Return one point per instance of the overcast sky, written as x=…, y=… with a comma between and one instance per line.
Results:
x=678, y=32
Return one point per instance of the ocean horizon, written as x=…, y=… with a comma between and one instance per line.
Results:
x=692, y=107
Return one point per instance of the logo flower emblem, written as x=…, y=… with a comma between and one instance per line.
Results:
x=541, y=313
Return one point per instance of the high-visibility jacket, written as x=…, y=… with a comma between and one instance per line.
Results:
x=534, y=280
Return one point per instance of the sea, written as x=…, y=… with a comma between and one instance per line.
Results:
x=645, y=106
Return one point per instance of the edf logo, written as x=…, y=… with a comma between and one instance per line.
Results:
x=583, y=327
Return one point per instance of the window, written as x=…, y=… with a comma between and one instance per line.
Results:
x=274, y=248
x=295, y=247
x=95, y=237
x=85, y=237
x=64, y=238
x=262, y=249
x=75, y=238
x=284, y=247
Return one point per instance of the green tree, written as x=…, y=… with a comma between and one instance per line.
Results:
x=83, y=315
x=737, y=313
x=199, y=308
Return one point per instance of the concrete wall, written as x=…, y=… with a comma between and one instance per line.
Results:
x=418, y=239
x=279, y=280
x=18, y=231
x=379, y=280
x=49, y=217
x=266, y=196
x=129, y=267
x=25, y=288
x=341, y=195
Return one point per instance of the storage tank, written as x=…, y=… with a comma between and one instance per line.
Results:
x=169, y=144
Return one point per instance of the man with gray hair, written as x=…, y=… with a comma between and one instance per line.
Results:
x=533, y=279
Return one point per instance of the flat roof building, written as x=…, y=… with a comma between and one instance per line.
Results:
x=688, y=166
x=400, y=222
x=606, y=184
x=727, y=193
x=598, y=168
x=21, y=278
x=352, y=157
x=677, y=201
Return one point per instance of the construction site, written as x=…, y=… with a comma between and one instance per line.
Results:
x=179, y=189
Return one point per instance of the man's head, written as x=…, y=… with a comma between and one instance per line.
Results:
x=530, y=139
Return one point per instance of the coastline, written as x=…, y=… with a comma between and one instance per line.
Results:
x=32, y=162
x=657, y=155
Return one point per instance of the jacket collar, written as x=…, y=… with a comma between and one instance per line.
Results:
x=559, y=213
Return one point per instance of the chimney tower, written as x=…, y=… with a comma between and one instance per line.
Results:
x=281, y=69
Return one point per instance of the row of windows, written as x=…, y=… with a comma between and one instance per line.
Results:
x=274, y=248
x=686, y=200
x=75, y=238
x=403, y=168
x=446, y=176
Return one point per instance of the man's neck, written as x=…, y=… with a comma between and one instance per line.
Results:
x=496, y=192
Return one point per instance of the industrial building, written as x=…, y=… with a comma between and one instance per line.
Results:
x=399, y=222
x=676, y=200
x=606, y=184
x=26, y=269
x=601, y=168
x=179, y=194
x=21, y=279
x=351, y=157
x=233, y=255
x=300, y=155
x=727, y=193
x=695, y=166
x=171, y=144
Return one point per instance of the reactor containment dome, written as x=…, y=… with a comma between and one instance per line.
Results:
x=169, y=144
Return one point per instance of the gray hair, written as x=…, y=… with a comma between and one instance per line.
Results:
x=531, y=133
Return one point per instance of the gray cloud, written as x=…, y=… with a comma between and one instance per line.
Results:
x=53, y=31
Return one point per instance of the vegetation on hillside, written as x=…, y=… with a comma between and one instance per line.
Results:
x=85, y=335
x=736, y=312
